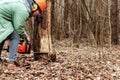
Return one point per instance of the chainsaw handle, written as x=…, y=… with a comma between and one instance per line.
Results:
x=24, y=41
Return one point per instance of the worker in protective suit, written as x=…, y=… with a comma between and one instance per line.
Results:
x=13, y=15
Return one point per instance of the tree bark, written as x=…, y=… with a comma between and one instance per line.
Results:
x=114, y=21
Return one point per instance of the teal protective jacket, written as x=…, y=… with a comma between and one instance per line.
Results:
x=13, y=14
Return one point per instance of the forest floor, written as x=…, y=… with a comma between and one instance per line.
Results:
x=82, y=63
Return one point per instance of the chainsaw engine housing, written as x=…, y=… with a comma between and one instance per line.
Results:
x=24, y=47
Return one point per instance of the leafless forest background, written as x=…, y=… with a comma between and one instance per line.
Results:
x=94, y=21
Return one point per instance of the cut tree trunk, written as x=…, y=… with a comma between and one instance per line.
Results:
x=43, y=45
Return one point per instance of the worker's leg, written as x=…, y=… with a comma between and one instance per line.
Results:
x=13, y=47
x=1, y=47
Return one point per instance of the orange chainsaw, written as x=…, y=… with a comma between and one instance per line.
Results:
x=24, y=47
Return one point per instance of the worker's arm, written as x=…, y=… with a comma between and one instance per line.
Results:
x=19, y=18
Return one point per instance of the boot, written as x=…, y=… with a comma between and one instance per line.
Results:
x=12, y=65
